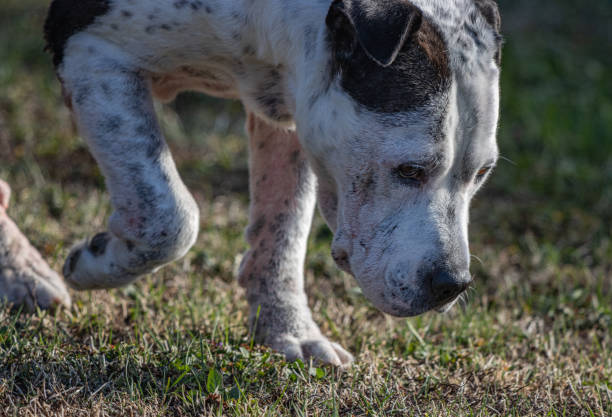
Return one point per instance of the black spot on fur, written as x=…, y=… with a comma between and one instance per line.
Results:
x=97, y=245
x=126, y=13
x=470, y=30
x=106, y=90
x=111, y=124
x=309, y=40
x=208, y=9
x=179, y=4
x=248, y=50
x=196, y=5
x=154, y=146
x=256, y=227
x=67, y=17
x=271, y=97
x=130, y=245
x=82, y=93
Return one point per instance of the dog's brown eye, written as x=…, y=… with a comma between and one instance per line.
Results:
x=481, y=173
x=413, y=173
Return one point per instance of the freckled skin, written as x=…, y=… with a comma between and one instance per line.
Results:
x=25, y=278
x=330, y=112
x=279, y=224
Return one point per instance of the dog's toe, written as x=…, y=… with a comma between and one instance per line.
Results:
x=345, y=357
x=319, y=349
x=25, y=278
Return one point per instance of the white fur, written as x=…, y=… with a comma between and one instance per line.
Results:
x=273, y=55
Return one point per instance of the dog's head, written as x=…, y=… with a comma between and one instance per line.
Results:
x=401, y=139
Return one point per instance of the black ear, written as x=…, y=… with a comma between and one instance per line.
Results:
x=380, y=26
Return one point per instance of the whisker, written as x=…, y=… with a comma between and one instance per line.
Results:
x=478, y=259
x=503, y=158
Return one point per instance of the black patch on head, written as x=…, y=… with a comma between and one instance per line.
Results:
x=419, y=71
x=67, y=17
x=97, y=245
x=380, y=27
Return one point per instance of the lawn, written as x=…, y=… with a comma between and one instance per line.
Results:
x=532, y=338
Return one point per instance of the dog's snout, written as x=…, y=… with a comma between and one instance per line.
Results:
x=446, y=285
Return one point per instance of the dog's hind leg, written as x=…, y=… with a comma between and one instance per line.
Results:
x=283, y=197
x=25, y=278
x=155, y=219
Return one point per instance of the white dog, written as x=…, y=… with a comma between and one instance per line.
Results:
x=384, y=109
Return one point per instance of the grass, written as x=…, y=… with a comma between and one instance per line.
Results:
x=533, y=338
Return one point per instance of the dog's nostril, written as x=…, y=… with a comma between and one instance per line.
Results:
x=445, y=285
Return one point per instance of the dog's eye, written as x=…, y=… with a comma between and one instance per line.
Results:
x=482, y=173
x=411, y=173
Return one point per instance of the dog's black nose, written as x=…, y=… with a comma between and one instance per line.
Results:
x=445, y=285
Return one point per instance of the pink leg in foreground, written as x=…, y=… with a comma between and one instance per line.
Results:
x=25, y=278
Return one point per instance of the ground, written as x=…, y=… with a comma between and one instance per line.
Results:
x=532, y=338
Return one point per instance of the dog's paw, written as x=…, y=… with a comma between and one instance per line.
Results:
x=93, y=263
x=318, y=348
x=25, y=278
x=290, y=329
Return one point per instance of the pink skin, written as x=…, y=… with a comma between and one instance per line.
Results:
x=283, y=189
x=25, y=278
x=5, y=196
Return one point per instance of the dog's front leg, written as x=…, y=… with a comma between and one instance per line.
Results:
x=283, y=189
x=155, y=219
